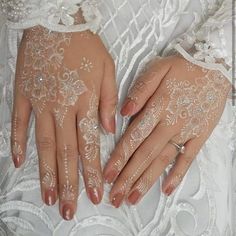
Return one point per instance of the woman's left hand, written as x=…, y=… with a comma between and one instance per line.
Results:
x=180, y=104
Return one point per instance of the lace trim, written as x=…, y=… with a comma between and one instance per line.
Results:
x=54, y=16
x=206, y=61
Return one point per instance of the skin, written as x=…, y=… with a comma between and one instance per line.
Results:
x=172, y=100
x=83, y=59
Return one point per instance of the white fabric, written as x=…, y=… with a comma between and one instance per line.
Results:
x=134, y=31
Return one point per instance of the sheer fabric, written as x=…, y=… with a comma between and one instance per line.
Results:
x=134, y=31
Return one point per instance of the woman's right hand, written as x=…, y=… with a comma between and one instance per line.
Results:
x=68, y=79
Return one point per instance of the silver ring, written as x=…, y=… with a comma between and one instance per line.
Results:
x=180, y=147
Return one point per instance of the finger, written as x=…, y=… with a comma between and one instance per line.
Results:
x=20, y=120
x=67, y=161
x=108, y=97
x=46, y=146
x=88, y=138
x=136, y=133
x=144, y=87
x=182, y=165
x=152, y=173
x=139, y=162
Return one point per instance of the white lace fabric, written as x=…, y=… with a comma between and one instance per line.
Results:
x=134, y=31
x=56, y=15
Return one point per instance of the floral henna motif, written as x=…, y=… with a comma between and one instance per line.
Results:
x=196, y=103
x=89, y=128
x=86, y=65
x=145, y=183
x=49, y=179
x=41, y=81
x=94, y=179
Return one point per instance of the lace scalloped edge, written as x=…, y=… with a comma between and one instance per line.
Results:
x=210, y=66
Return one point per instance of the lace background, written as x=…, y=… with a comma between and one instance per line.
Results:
x=134, y=31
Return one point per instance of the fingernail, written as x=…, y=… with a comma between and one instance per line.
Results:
x=134, y=197
x=50, y=197
x=110, y=176
x=110, y=124
x=128, y=108
x=169, y=190
x=94, y=195
x=117, y=199
x=16, y=160
x=67, y=211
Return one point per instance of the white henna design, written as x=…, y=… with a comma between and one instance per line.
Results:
x=89, y=128
x=196, y=103
x=94, y=179
x=145, y=183
x=49, y=179
x=68, y=192
x=16, y=149
x=86, y=65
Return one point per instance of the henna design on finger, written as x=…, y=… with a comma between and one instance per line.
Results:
x=174, y=183
x=89, y=128
x=145, y=183
x=16, y=147
x=49, y=178
x=94, y=179
x=68, y=192
x=141, y=131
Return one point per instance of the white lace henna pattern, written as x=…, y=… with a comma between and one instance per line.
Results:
x=89, y=128
x=44, y=49
x=41, y=81
x=145, y=183
x=195, y=103
x=70, y=88
x=68, y=192
x=86, y=65
x=94, y=179
x=147, y=123
x=16, y=149
x=49, y=178
x=141, y=131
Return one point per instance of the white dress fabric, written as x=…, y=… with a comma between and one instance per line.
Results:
x=134, y=31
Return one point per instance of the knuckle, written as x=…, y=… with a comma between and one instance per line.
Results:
x=165, y=159
x=45, y=144
x=68, y=151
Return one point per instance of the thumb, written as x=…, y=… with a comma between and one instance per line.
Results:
x=108, y=97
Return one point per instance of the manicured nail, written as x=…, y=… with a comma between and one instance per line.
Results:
x=94, y=195
x=169, y=190
x=134, y=197
x=67, y=211
x=50, y=197
x=128, y=108
x=110, y=124
x=117, y=199
x=110, y=176
x=17, y=160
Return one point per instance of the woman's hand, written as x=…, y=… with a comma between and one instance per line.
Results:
x=66, y=78
x=179, y=104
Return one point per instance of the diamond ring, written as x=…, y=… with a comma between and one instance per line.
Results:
x=180, y=147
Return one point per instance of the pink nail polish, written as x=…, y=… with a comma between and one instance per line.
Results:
x=67, y=211
x=94, y=195
x=169, y=190
x=16, y=161
x=117, y=200
x=134, y=197
x=110, y=176
x=128, y=108
x=110, y=124
x=50, y=197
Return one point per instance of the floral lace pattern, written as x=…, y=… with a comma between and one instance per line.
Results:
x=192, y=210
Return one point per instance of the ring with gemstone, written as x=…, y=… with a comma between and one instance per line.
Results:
x=180, y=147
